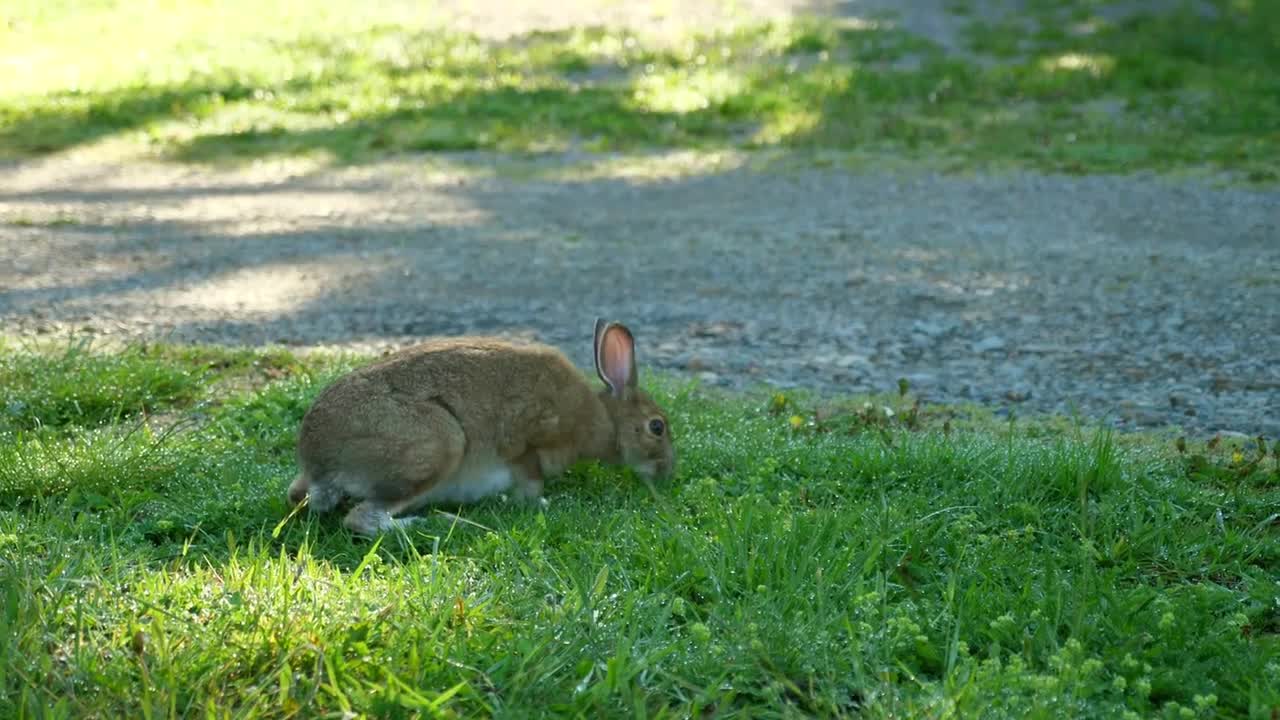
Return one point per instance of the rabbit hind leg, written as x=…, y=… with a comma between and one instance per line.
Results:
x=372, y=518
x=428, y=458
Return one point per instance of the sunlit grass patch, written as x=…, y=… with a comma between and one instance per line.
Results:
x=1183, y=90
x=1095, y=65
x=684, y=91
x=833, y=557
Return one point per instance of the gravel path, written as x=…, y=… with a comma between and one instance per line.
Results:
x=1140, y=300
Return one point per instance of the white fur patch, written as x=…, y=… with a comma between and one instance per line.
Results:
x=647, y=470
x=473, y=481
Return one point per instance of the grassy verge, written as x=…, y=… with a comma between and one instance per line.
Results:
x=1070, y=90
x=804, y=562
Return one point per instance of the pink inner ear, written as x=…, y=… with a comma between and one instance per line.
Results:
x=616, y=358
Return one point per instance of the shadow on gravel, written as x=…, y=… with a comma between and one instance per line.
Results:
x=1025, y=293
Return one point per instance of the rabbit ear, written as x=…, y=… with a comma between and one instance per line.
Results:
x=615, y=352
x=601, y=324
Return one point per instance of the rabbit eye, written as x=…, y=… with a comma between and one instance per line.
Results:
x=656, y=426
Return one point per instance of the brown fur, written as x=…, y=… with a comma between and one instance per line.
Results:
x=391, y=433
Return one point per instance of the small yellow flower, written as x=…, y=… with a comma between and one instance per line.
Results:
x=796, y=422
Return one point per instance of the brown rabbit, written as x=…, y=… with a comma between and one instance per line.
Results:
x=455, y=420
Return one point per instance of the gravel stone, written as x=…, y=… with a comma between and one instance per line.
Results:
x=989, y=344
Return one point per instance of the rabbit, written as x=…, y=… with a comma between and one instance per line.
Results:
x=457, y=419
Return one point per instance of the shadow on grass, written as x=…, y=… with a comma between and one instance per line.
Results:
x=441, y=92
x=1145, y=91
x=503, y=119
x=547, y=90
x=66, y=120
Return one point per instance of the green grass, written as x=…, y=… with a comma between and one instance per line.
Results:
x=804, y=562
x=236, y=81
